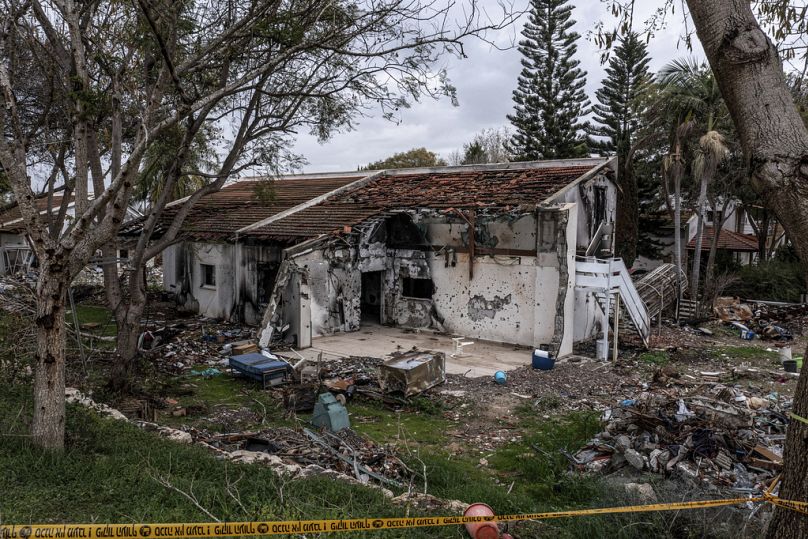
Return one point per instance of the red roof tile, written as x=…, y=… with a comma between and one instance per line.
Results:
x=727, y=241
x=498, y=189
x=219, y=215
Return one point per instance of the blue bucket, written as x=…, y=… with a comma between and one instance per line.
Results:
x=500, y=377
x=542, y=360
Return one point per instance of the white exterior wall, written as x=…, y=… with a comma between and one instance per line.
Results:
x=182, y=275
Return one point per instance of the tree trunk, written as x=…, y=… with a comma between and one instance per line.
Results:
x=677, y=225
x=775, y=142
x=628, y=208
x=48, y=426
x=127, y=316
x=762, y=237
x=696, y=273
x=128, y=320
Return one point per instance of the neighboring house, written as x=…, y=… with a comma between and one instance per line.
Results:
x=485, y=251
x=15, y=250
x=736, y=240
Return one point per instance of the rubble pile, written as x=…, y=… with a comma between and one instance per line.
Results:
x=345, y=452
x=714, y=433
x=183, y=346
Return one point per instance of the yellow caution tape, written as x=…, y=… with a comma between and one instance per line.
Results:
x=798, y=417
x=248, y=529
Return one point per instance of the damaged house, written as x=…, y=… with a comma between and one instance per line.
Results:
x=485, y=251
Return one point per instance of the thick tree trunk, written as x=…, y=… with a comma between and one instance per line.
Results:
x=127, y=316
x=48, y=426
x=128, y=321
x=775, y=142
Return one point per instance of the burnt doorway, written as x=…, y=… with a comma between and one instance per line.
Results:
x=267, y=273
x=371, y=304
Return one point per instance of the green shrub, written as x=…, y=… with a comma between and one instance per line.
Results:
x=774, y=280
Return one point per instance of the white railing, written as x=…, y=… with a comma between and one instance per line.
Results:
x=606, y=278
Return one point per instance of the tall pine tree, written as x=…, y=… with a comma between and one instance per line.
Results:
x=549, y=100
x=618, y=111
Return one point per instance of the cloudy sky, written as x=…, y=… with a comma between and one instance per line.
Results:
x=484, y=82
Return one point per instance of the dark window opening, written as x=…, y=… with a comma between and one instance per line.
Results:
x=208, y=274
x=402, y=233
x=417, y=288
x=600, y=206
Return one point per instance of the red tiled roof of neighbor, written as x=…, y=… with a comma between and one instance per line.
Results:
x=11, y=218
x=499, y=189
x=727, y=241
x=219, y=215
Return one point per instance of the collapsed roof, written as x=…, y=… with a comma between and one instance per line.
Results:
x=300, y=207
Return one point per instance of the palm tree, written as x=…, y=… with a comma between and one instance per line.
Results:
x=691, y=93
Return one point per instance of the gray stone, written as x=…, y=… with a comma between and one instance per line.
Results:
x=622, y=443
x=635, y=459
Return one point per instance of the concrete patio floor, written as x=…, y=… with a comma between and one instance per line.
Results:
x=483, y=358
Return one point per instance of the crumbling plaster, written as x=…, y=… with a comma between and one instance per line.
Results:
x=509, y=299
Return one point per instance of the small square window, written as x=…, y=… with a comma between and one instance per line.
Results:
x=417, y=288
x=208, y=272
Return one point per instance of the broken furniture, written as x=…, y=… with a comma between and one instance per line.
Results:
x=459, y=344
x=330, y=414
x=413, y=372
x=259, y=367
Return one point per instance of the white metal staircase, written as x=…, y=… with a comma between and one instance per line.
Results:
x=609, y=279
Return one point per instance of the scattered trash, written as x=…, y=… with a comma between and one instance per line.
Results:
x=207, y=373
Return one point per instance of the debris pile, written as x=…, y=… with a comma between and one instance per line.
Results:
x=346, y=452
x=768, y=320
x=714, y=433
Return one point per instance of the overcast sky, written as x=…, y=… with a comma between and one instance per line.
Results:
x=484, y=82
